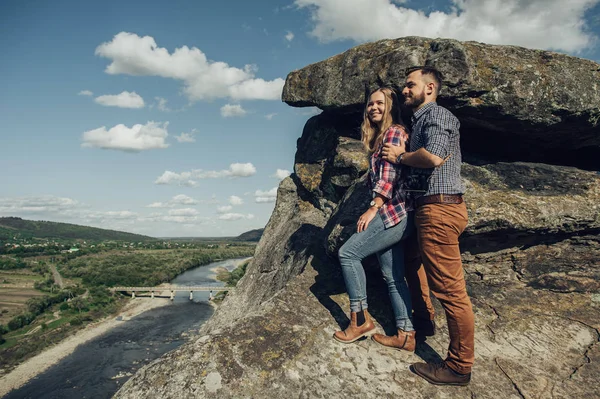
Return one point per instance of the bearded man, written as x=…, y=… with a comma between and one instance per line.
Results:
x=440, y=217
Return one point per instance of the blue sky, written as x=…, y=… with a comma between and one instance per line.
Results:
x=165, y=119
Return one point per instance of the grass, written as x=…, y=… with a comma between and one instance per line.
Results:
x=20, y=332
x=17, y=276
x=10, y=342
x=58, y=322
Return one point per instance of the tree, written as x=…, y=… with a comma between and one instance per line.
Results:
x=78, y=303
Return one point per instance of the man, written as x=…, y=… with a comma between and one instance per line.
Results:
x=440, y=217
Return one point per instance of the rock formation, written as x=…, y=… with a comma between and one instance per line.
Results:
x=509, y=99
x=531, y=252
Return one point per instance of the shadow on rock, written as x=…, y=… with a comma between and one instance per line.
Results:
x=330, y=282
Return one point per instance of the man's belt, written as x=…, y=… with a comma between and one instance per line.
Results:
x=439, y=199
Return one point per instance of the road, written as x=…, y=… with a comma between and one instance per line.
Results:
x=57, y=277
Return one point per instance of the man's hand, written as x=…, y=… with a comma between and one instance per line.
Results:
x=391, y=152
x=365, y=219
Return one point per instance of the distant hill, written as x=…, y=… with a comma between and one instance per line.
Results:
x=16, y=227
x=252, y=235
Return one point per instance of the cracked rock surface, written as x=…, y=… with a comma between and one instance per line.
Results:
x=529, y=343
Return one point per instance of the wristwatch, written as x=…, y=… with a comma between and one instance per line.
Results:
x=374, y=204
x=399, y=159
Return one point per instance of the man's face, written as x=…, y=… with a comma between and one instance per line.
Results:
x=414, y=90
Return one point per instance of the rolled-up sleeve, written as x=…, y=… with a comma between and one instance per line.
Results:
x=438, y=127
x=388, y=171
x=383, y=187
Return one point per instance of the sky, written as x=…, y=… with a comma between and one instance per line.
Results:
x=165, y=118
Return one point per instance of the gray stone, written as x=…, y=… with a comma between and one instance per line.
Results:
x=213, y=382
x=284, y=249
x=512, y=102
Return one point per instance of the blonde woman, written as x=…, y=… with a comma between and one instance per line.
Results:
x=380, y=230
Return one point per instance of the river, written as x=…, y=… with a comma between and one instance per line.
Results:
x=98, y=368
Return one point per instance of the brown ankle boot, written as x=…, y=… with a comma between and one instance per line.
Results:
x=440, y=374
x=404, y=340
x=354, y=331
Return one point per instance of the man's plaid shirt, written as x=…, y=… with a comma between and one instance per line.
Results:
x=385, y=179
x=436, y=129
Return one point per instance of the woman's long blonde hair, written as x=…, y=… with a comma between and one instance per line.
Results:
x=371, y=134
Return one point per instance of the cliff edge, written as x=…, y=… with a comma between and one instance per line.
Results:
x=531, y=139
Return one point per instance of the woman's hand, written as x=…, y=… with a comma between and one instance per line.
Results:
x=365, y=219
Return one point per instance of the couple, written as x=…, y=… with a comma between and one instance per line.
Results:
x=428, y=171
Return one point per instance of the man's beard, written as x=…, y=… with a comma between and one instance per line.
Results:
x=414, y=101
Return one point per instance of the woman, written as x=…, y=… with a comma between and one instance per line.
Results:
x=380, y=230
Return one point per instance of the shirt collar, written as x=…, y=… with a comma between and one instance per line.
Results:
x=423, y=110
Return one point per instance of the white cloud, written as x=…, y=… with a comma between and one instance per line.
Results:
x=270, y=116
x=182, y=179
x=548, y=24
x=180, y=199
x=161, y=104
x=235, y=216
x=235, y=200
x=203, y=79
x=224, y=208
x=180, y=219
x=241, y=170
x=43, y=204
x=85, y=93
x=183, y=219
x=183, y=200
x=158, y=205
x=289, y=36
x=229, y=110
x=189, y=178
x=235, y=170
x=257, y=89
x=183, y=212
x=123, y=100
x=182, y=216
x=112, y=215
x=281, y=174
x=266, y=196
x=139, y=137
x=186, y=137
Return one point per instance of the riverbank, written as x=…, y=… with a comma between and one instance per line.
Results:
x=43, y=361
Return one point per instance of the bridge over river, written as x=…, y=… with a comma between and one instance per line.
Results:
x=172, y=289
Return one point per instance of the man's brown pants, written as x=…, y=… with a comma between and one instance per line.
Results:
x=438, y=228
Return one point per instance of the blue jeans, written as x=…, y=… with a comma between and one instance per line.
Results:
x=388, y=245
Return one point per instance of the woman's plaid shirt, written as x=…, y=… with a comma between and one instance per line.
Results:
x=385, y=179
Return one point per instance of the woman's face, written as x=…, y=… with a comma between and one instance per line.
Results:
x=376, y=107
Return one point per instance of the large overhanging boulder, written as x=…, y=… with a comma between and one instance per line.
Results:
x=513, y=103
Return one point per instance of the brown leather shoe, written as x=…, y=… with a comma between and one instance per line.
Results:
x=354, y=331
x=404, y=340
x=440, y=374
x=424, y=327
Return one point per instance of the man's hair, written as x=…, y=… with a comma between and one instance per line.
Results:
x=429, y=71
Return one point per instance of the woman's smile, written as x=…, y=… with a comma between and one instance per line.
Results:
x=376, y=107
